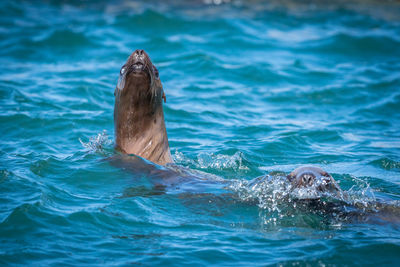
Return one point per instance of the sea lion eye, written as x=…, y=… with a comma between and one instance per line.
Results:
x=121, y=78
x=122, y=71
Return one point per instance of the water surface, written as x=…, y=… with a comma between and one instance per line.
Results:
x=252, y=88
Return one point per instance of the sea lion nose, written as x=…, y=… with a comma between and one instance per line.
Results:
x=139, y=52
x=308, y=179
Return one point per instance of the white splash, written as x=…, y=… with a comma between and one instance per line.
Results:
x=213, y=161
x=181, y=158
x=220, y=161
x=97, y=143
x=272, y=193
x=268, y=191
x=360, y=194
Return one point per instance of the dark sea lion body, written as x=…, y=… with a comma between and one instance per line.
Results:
x=138, y=112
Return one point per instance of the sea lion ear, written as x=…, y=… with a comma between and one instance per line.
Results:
x=326, y=174
x=155, y=70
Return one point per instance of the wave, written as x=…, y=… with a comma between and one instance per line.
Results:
x=387, y=164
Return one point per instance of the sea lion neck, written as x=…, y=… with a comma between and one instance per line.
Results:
x=138, y=112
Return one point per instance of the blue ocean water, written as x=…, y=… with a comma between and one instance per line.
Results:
x=254, y=89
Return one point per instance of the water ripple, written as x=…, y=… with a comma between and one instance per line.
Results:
x=254, y=89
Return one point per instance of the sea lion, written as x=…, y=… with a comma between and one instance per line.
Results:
x=138, y=111
x=313, y=177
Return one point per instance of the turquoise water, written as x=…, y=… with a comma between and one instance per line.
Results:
x=252, y=89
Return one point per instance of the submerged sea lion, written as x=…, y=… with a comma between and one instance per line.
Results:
x=138, y=112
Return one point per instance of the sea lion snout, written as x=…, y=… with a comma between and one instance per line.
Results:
x=313, y=177
x=139, y=56
x=138, y=61
x=307, y=179
x=139, y=53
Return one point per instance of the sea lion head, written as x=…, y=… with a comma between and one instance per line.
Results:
x=314, y=178
x=138, y=111
x=139, y=77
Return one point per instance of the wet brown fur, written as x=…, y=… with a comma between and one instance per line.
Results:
x=138, y=111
